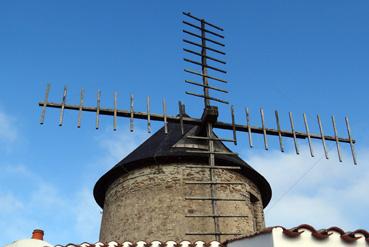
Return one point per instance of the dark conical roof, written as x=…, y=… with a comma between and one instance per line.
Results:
x=164, y=148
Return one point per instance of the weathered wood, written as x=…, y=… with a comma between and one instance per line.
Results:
x=98, y=109
x=264, y=130
x=294, y=133
x=323, y=138
x=336, y=137
x=207, y=66
x=165, y=117
x=351, y=141
x=207, y=56
x=248, y=126
x=196, y=121
x=308, y=135
x=205, y=30
x=206, y=86
x=61, y=116
x=207, y=39
x=207, y=76
x=203, y=21
x=115, y=112
x=43, y=111
x=205, y=47
x=207, y=97
x=81, y=99
x=279, y=131
x=233, y=126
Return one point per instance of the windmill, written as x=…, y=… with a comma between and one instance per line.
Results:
x=204, y=47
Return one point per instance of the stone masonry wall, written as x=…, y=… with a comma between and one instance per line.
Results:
x=149, y=204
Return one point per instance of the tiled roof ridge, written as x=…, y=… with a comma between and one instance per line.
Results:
x=321, y=234
x=141, y=243
x=294, y=232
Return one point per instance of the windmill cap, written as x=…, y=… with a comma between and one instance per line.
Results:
x=160, y=148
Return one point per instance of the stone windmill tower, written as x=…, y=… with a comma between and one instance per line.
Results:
x=147, y=195
x=183, y=183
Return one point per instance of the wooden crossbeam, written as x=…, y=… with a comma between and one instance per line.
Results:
x=196, y=121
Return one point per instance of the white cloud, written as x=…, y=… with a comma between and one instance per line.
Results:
x=18, y=227
x=66, y=216
x=119, y=144
x=9, y=203
x=302, y=209
x=314, y=190
x=35, y=202
x=87, y=216
x=47, y=198
x=26, y=202
x=8, y=131
x=16, y=170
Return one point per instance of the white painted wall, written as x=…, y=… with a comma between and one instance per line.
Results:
x=29, y=243
x=277, y=239
x=263, y=240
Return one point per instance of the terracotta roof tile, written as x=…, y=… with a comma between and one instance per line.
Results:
x=184, y=243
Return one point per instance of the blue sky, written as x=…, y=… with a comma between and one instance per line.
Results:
x=298, y=56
